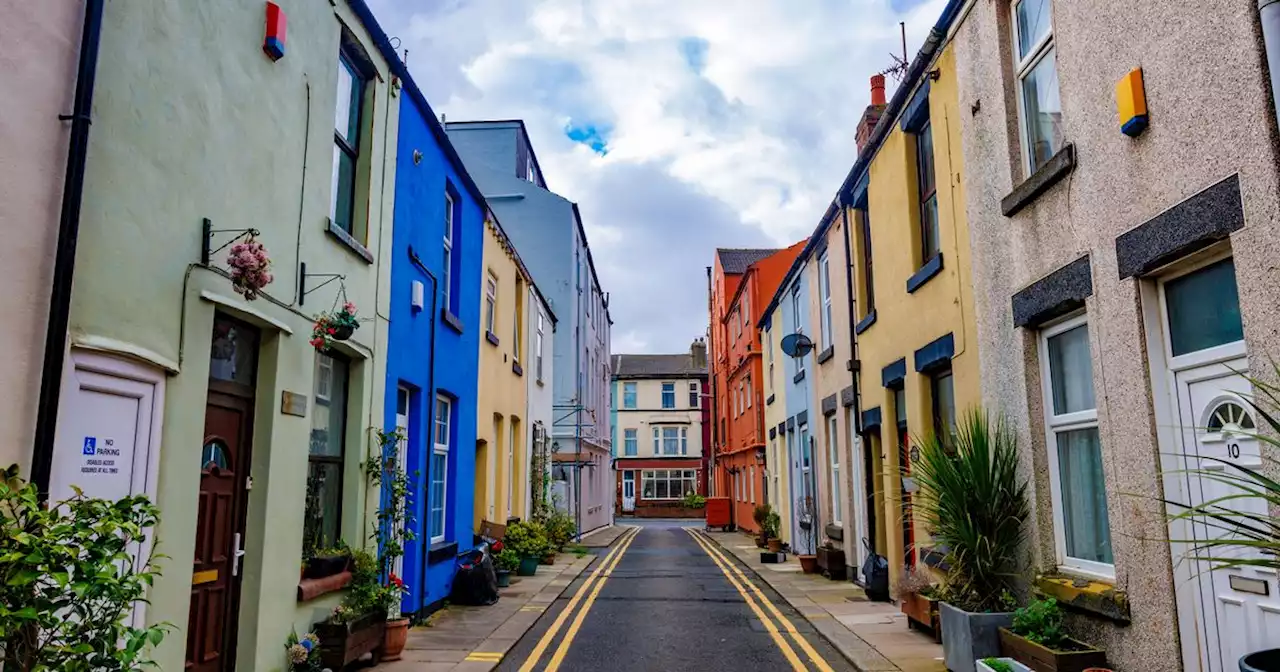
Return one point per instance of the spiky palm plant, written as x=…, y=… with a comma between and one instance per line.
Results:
x=974, y=504
x=1239, y=530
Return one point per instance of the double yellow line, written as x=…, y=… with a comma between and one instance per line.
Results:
x=738, y=579
x=592, y=586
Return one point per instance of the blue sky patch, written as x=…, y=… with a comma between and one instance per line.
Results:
x=904, y=6
x=595, y=137
x=694, y=50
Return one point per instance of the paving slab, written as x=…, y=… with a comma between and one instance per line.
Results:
x=873, y=635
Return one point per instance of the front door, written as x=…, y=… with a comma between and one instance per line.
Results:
x=403, y=395
x=858, y=498
x=628, y=491
x=224, y=490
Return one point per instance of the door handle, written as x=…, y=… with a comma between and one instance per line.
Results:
x=237, y=552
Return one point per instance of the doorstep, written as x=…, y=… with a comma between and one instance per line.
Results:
x=872, y=635
x=467, y=639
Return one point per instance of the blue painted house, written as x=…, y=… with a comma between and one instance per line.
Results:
x=432, y=365
x=793, y=296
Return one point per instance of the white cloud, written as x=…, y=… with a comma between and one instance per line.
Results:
x=759, y=137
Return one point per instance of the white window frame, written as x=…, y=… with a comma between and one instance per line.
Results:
x=768, y=353
x=491, y=303
x=684, y=441
x=833, y=455
x=664, y=394
x=795, y=323
x=751, y=483
x=633, y=389
x=630, y=442
x=682, y=475
x=448, y=249
x=538, y=360
x=1055, y=424
x=443, y=418
x=1045, y=47
x=824, y=292
x=660, y=440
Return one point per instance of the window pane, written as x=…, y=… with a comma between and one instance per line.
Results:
x=442, y=422
x=1071, y=371
x=648, y=488
x=1034, y=18
x=1204, y=308
x=324, y=496
x=1043, y=107
x=439, y=471
x=233, y=355
x=944, y=405
x=346, y=94
x=662, y=491
x=344, y=186
x=924, y=161
x=900, y=406
x=929, y=228
x=1084, y=498
x=329, y=421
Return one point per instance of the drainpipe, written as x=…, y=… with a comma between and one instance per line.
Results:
x=64, y=263
x=855, y=368
x=1269, y=15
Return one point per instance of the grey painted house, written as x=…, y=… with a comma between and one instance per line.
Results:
x=547, y=230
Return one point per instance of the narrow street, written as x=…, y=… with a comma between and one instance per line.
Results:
x=665, y=598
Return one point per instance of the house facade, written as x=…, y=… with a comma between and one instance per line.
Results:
x=658, y=407
x=1124, y=288
x=433, y=347
x=165, y=356
x=40, y=42
x=547, y=229
x=805, y=524
x=540, y=334
x=776, y=463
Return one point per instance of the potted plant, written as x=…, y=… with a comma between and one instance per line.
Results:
x=356, y=626
x=561, y=528
x=303, y=652
x=506, y=562
x=808, y=559
x=974, y=504
x=1038, y=639
x=335, y=326
x=771, y=526
x=916, y=590
x=323, y=562
x=391, y=532
x=528, y=540
x=1001, y=665
x=759, y=515
x=250, y=268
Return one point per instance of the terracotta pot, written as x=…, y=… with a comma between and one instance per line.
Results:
x=548, y=559
x=393, y=639
x=808, y=563
x=775, y=545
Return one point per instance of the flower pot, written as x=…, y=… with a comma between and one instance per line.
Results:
x=393, y=639
x=774, y=544
x=967, y=636
x=548, y=559
x=504, y=577
x=343, y=643
x=1015, y=665
x=808, y=563
x=343, y=332
x=528, y=567
x=1042, y=659
x=1261, y=661
x=319, y=568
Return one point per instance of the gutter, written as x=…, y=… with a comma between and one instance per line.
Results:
x=64, y=263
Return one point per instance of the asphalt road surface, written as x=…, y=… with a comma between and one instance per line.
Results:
x=664, y=598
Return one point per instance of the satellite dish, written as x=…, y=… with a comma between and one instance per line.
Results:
x=796, y=345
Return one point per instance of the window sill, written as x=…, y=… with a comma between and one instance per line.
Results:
x=492, y=338
x=1092, y=596
x=926, y=273
x=452, y=320
x=1056, y=168
x=348, y=242
x=826, y=355
x=310, y=589
x=798, y=377
x=866, y=322
x=517, y=369
x=441, y=551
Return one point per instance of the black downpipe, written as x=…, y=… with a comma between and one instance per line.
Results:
x=868, y=464
x=64, y=263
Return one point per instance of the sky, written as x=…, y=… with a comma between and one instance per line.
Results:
x=678, y=126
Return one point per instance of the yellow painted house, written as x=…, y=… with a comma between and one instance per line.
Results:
x=502, y=456
x=917, y=337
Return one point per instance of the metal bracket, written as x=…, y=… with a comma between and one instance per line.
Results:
x=206, y=239
x=302, y=282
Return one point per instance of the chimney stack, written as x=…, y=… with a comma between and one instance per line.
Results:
x=698, y=353
x=871, y=116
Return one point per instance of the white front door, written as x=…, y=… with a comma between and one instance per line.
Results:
x=858, y=500
x=402, y=447
x=628, y=491
x=1226, y=613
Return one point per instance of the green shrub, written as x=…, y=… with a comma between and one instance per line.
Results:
x=507, y=559
x=693, y=500
x=997, y=665
x=771, y=525
x=1040, y=622
x=760, y=513
x=68, y=581
x=561, y=528
x=527, y=538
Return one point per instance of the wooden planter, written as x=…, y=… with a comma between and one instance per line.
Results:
x=922, y=612
x=321, y=567
x=1042, y=659
x=343, y=644
x=831, y=562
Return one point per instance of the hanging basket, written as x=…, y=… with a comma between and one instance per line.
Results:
x=339, y=325
x=250, y=267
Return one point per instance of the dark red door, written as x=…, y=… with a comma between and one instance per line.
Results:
x=224, y=471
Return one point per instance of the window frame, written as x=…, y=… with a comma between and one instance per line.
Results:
x=746, y=391
x=934, y=378
x=491, y=302
x=630, y=394
x=672, y=405
x=359, y=89
x=796, y=323
x=448, y=251
x=768, y=353
x=930, y=232
x=538, y=355
x=1046, y=46
x=868, y=264
x=630, y=442
x=339, y=460
x=444, y=418
x=1055, y=424
x=681, y=476
x=833, y=457
x=695, y=394
x=518, y=315
x=824, y=296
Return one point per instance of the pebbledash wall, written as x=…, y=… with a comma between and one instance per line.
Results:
x=39, y=43
x=1093, y=236
x=193, y=121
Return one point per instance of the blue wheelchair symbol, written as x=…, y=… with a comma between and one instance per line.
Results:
x=90, y=445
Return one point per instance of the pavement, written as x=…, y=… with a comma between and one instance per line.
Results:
x=873, y=635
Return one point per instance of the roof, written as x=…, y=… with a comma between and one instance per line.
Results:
x=736, y=260
x=656, y=366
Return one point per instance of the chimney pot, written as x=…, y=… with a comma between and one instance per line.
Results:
x=877, y=89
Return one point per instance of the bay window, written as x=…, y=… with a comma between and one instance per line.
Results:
x=668, y=483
